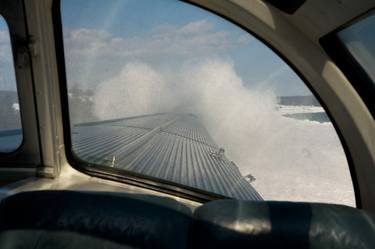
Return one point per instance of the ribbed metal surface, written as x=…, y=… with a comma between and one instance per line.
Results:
x=173, y=147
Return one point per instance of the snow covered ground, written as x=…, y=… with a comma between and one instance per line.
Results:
x=305, y=163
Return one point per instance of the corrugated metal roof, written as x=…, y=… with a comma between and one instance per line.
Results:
x=173, y=147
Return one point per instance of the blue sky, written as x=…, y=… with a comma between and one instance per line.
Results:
x=255, y=63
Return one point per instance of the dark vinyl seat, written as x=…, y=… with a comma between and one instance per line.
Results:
x=93, y=220
x=68, y=219
x=268, y=225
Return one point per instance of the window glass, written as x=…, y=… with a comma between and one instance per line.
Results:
x=10, y=120
x=359, y=39
x=168, y=90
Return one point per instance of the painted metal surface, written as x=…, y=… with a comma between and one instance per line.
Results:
x=173, y=147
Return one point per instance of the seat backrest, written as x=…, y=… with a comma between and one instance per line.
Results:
x=240, y=224
x=68, y=219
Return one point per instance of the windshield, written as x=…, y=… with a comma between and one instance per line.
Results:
x=170, y=91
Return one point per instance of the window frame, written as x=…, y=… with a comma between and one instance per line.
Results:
x=14, y=151
x=23, y=161
x=4, y=153
x=157, y=184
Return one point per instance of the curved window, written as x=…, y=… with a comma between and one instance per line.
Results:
x=173, y=92
x=10, y=120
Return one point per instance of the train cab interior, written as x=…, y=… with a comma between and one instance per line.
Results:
x=96, y=183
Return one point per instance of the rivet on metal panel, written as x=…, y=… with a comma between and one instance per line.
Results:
x=113, y=161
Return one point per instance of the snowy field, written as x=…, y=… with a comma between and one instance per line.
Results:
x=305, y=163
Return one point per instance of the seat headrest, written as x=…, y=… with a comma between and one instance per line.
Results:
x=239, y=224
x=139, y=221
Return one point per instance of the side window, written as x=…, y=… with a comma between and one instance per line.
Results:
x=169, y=91
x=353, y=50
x=10, y=120
x=359, y=39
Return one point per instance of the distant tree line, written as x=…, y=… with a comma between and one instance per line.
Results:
x=298, y=100
x=80, y=107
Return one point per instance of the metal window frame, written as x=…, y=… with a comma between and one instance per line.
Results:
x=24, y=161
